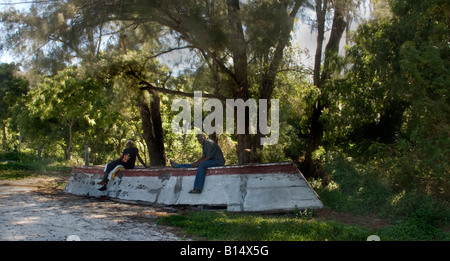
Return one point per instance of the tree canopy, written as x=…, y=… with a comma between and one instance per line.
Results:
x=91, y=74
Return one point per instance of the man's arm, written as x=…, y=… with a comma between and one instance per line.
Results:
x=121, y=157
x=198, y=162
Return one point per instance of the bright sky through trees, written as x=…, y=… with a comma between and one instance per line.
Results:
x=303, y=38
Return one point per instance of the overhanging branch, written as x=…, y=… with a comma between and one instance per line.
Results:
x=144, y=85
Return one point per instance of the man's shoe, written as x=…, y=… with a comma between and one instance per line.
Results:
x=103, y=188
x=195, y=191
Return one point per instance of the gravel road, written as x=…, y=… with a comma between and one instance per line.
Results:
x=30, y=213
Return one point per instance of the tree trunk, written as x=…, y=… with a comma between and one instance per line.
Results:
x=314, y=141
x=152, y=126
x=268, y=81
x=321, y=11
x=68, y=153
x=20, y=142
x=160, y=155
x=239, y=51
x=316, y=128
x=4, y=138
x=332, y=48
x=86, y=155
x=39, y=154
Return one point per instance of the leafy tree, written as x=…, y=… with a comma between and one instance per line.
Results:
x=214, y=28
x=66, y=99
x=397, y=93
x=52, y=35
x=13, y=88
x=64, y=32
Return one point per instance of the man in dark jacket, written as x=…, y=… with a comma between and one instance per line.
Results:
x=127, y=161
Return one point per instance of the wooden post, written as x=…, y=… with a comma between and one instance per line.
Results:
x=86, y=155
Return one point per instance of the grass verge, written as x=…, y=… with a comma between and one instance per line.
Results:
x=259, y=227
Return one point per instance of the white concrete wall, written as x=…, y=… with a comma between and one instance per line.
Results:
x=238, y=192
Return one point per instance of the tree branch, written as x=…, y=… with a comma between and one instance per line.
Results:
x=166, y=51
x=144, y=85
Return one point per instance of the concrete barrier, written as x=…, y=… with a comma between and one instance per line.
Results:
x=274, y=187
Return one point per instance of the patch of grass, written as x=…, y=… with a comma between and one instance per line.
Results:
x=15, y=166
x=413, y=229
x=252, y=227
x=14, y=174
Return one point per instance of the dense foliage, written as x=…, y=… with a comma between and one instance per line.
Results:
x=371, y=126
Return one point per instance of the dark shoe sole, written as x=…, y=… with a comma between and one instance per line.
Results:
x=195, y=191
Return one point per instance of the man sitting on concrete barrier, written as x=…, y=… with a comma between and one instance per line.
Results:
x=212, y=157
x=126, y=161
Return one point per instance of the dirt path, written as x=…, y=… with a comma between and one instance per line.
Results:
x=36, y=209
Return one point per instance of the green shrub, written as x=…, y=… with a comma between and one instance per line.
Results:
x=14, y=165
x=365, y=189
x=413, y=229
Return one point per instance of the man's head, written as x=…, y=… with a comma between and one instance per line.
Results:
x=201, y=138
x=129, y=144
